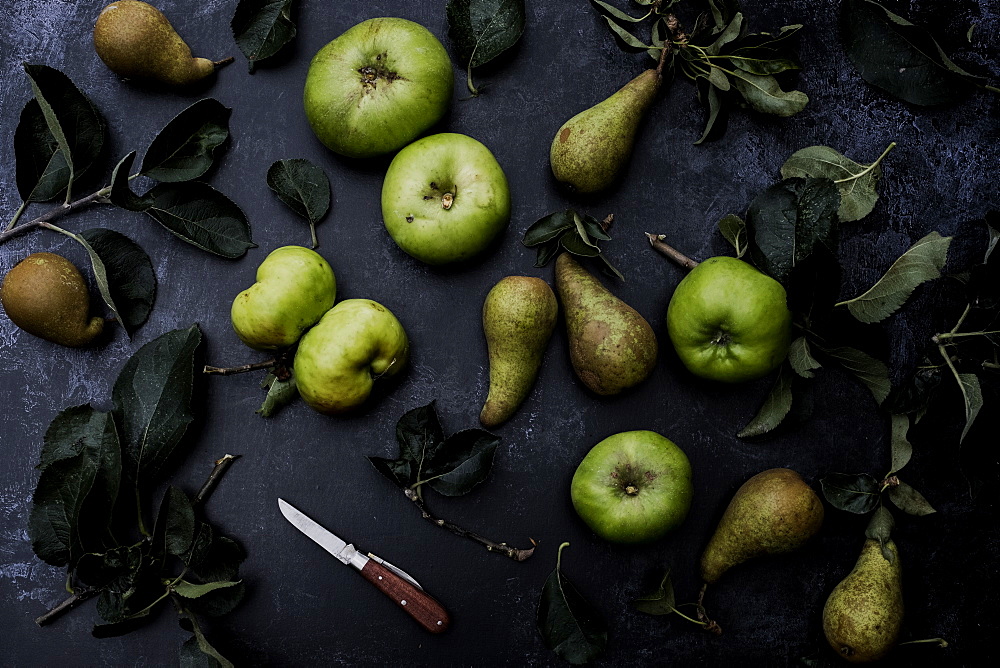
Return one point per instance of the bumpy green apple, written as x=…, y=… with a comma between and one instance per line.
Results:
x=295, y=287
x=339, y=359
x=633, y=487
x=377, y=87
x=445, y=198
x=728, y=321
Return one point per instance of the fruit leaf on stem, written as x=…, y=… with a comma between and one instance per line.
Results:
x=573, y=232
x=280, y=393
x=480, y=30
x=303, y=187
x=857, y=183
x=124, y=275
x=568, y=623
x=184, y=149
x=775, y=407
x=857, y=493
x=262, y=28
x=880, y=528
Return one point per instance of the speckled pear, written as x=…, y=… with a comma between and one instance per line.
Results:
x=611, y=346
x=864, y=613
x=519, y=315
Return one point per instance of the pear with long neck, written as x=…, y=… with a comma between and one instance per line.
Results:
x=611, y=346
x=135, y=40
x=864, y=613
x=519, y=315
x=590, y=149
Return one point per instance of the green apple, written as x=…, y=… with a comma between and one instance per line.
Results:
x=633, y=487
x=338, y=360
x=728, y=321
x=445, y=198
x=295, y=287
x=377, y=87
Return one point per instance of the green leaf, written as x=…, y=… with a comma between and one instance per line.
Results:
x=972, y=397
x=788, y=221
x=857, y=183
x=910, y=500
x=121, y=628
x=609, y=11
x=547, y=228
x=902, y=59
x=419, y=435
x=262, y=28
x=212, y=656
x=731, y=32
x=480, y=30
x=121, y=194
x=546, y=251
x=734, y=230
x=775, y=407
x=128, y=276
x=658, y=36
x=857, y=493
x=592, y=227
x=572, y=242
x=462, y=461
x=280, y=393
x=763, y=94
x=901, y=448
x=303, y=187
x=800, y=358
x=568, y=623
x=921, y=263
x=202, y=216
x=175, y=524
x=42, y=173
x=714, y=107
x=191, y=656
x=221, y=562
x=659, y=602
x=625, y=40
x=880, y=528
x=870, y=371
x=152, y=401
x=191, y=590
x=184, y=149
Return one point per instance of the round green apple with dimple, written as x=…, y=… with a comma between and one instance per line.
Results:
x=295, y=287
x=728, y=321
x=445, y=198
x=633, y=487
x=377, y=87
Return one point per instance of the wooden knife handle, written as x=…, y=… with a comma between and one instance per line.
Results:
x=417, y=603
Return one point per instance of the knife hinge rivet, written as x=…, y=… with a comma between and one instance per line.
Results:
x=439, y=622
x=402, y=602
x=380, y=577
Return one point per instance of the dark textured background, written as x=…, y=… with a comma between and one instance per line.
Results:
x=303, y=608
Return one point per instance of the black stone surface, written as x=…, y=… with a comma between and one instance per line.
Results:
x=303, y=607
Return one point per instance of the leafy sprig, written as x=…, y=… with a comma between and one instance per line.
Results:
x=573, y=232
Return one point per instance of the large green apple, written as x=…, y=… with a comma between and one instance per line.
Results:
x=728, y=321
x=633, y=487
x=338, y=360
x=445, y=198
x=295, y=287
x=377, y=87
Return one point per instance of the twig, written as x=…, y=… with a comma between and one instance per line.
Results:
x=54, y=213
x=229, y=371
x=64, y=607
x=656, y=241
x=514, y=553
x=213, y=478
x=710, y=625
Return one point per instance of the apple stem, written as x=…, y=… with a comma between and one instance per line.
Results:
x=447, y=200
x=656, y=241
x=491, y=546
x=631, y=490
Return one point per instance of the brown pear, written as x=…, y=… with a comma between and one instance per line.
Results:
x=773, y=512
x=611, y=346
x=45, y=295
x=135, y=40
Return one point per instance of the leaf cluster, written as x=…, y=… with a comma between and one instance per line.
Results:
x=481, y=30
x=97, y=473
x=569, y=625
x=573, y=232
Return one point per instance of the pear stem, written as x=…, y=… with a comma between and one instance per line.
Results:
x=244, y=368
x=54, y=213
x=940, y=642
x=656, y=241
x=223, y=62
x=218, y=470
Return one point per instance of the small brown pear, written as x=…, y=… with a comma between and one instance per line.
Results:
x=135, y=40
x=45, y=295
x=864, y=613
x=773, y=512
x=611, y=346
x=519, y=316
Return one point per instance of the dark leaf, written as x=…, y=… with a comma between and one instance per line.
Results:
x=592, y=227
x=101, y=570
x=175, y=524
x=609, y=269
x=916, y=393
x=870, y=371
x=192, y=590
x=571, y=241
x=548, y=228
x=612, y=12
x=901, y=448
x=857, y=183
x=201, y=545
x=734, y=230
x=658, y=36
x=972, y=398
x=733, y=30
x=219, y=602
x=714, y=107
x=221, y=562
x=659, y=602
x=910, y=500
x=480, y=30
x=262, y=28
x=121, y=628
x=419, y=435
x=152, y=401
x=763, y=94
x=42, y=172
x=775, y=406
x=206, y=648
x=280, y=393
x=202, y=216
x=800, y=358
x=128, y=273
x=121, y=194
x=880, y=528
x=398, y=471
x=184, y=149
x=192, y=657
x=900, y=58
x=857, y=493
x=462, y=461
x=302, y=186
x=625, y=40
x=547, y=251
x=569, y=625
x=788, y=221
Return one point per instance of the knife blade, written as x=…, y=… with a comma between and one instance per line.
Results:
x=392, y=581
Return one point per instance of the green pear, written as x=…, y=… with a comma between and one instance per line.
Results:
x=773, y=512
x=45, y=295
x=338, y=361
x=295, y=287
x=864, y=613
x=591, y=148
x=135, y=40
x=519, y=315
x=611, y=346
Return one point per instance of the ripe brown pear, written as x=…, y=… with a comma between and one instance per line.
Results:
x=590, y=149
x=519, y=316
x=135, y=40
x=864, y=613
x=773, y=512
x=611, y=346
x=45, y=295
